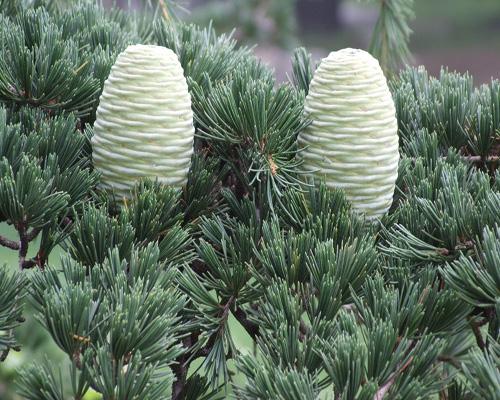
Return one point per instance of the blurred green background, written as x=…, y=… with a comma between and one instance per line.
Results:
x=462, y=34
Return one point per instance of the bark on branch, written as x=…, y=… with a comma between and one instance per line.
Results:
x=11, y=244
x=387, y=385
x=251, y=327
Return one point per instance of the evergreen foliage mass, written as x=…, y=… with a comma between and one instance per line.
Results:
x=149, y=294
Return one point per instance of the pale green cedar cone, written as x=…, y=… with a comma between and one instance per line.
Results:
x=352, y=142
x=144, y=126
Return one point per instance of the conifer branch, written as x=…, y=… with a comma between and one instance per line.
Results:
x=389, y=43
x=11, y=301
x=387, y=385
x=368, y=311
x=11, y=244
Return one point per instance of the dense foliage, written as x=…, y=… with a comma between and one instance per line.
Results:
x=148, y=296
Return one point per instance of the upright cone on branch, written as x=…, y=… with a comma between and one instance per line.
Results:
x=144, y=126
x=352, y=142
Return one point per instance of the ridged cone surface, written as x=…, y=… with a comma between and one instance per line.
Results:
x=352, y=142
x=144, y=126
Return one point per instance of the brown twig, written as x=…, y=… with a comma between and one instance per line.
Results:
x=199, y=267
x=76, y=359
x=465, y=245
x=476, y=159
x=28, y=264
x=23, y=244
x=460, y=247
x=303, y=331
x=479, y=159
x=476, y=329
x=164, y=9
x=450, y=360
x=4, y=354
x=181, y=367
x=180, y=370
x=387, y=385
x=30, y=236
x=251, y=327
x=11, y=244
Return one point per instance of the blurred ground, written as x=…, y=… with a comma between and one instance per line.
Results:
x=461, y=34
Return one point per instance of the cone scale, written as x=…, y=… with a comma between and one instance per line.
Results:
x=144, y=125
x=352, y=142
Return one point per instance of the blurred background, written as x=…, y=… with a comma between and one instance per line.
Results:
x=461, y=34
